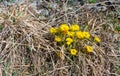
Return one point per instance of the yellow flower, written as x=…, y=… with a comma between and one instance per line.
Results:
x=58, y=39
x=64, y=28
x=69, y=41
x=88, y=49
x=86, y=34
x=53, y=30
x=73, y=51
x=74, y=27
x=79, y=34
x=97, y=39
x=70, y=33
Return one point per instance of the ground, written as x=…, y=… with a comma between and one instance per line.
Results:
x=27, y=48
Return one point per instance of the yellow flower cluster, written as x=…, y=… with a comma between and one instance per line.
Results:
x=82, y=35
x=70, y=35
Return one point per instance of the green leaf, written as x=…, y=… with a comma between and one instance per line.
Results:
x=1, y=27
x=117, y=28
x=92, y=1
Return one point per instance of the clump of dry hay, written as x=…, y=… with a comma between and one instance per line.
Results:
x=27, y=48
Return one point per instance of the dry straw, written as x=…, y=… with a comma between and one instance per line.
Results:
x=27, y=47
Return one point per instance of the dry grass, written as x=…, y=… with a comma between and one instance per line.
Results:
x=27, y=48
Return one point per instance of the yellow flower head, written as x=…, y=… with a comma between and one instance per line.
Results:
x=69, y=41
x=79, y=34
x=97, y=39
x=74, y=27
x=64, y=28
x=73, y=51
x=88, y=49
x=58, y=39
x=53, y=30
x=86, y=34
x=70, y=33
